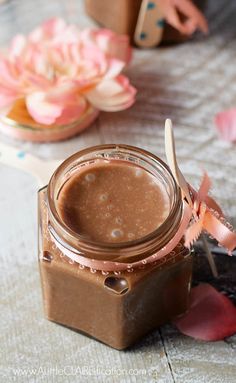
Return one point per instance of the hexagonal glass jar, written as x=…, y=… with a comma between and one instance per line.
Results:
x=117, y=308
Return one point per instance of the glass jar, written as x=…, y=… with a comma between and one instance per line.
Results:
x=112, y=291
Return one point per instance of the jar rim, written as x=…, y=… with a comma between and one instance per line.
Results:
x=58, y=223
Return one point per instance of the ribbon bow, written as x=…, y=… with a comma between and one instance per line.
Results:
x=200, y=212
x=207, y=215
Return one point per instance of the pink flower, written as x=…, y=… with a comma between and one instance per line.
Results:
x=59, y=71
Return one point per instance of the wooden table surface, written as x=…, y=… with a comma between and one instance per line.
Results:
x=188, y=83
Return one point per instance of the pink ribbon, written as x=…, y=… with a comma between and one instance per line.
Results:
x=204, y=215
x=207, y=215
x=120, y=266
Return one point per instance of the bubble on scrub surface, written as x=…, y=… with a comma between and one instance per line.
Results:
x=138, y=172
x=107, y=215
x=142, y=232
x=103, y=197
x=153, y=181
x=131, y=235
x=116, y=233
x=165, y=213
x=119, y=220
x=90, y=177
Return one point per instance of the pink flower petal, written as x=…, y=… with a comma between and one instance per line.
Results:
x=113, y=44
x=53, y=26
x=91, y=53
x=226, y=124
x=211, y=316
x=7, y=97
x=108, y=88
x=7, y=74
x=115, y=68
x=41, y=109
x=63, y=93
x=73, y=104
x=72, y=111
x=39, y=63
x=17, y=46
x=47, y=30
x=6, y=101
x=112, y=95
x=59, y=106
x=35, y=82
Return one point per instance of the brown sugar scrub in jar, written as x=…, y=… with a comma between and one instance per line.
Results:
x=113, y=202
x=104, y=215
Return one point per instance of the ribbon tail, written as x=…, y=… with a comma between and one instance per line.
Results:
x=219, y=231
x=192, y=233
x=204, y=187
x=212, y=204
x=195, y=228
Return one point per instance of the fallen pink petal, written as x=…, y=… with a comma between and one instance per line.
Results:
x=226, y=125
x=211, y=315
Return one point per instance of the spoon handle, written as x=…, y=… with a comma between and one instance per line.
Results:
x=41, y=169
x=172, y=161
